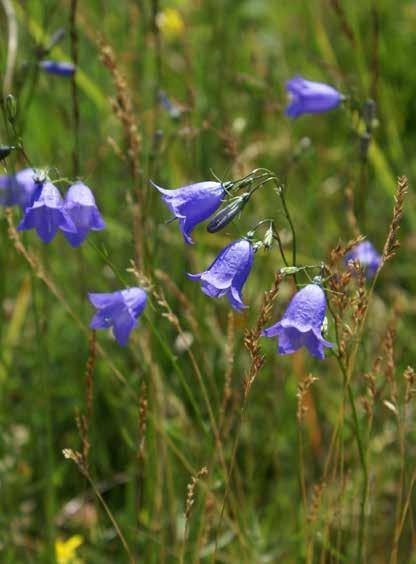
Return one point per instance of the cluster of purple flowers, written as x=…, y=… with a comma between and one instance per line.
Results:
x=304, y=318
x=193, y=204
x=302, y=322
x=47, y=212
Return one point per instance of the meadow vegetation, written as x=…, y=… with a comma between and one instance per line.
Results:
x=197, y=441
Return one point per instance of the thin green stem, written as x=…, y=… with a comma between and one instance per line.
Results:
x=292, y=227
x=362, y=457
x=111, y=517
x=276, y=237
x=45, y=395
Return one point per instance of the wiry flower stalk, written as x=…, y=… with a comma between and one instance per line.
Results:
x=189, y=502
x=122, y=107
x=392, y=242
x=252, y=344
x=82, y=465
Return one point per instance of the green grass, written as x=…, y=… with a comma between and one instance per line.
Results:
x=226, y=70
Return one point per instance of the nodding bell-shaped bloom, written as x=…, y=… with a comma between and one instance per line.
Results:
x=367, y=256
x=18, y=189
x=118, y=310
x=193, y=204
x=59, y=68
x=228, y=273
x=301, y=324
x=47, y=214
x=81, y=208
x=307, y=96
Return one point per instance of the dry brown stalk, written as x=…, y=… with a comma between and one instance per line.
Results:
x=392, y=242
x=188, y=308
x=189, y=502
x=122, y=107
x=190, y=488
x=89, y=372
x=315, y=502
x=82, y=426
x=76, y=457
x=143, y=404
x=302, y=393
x=371, y=379
x=388, y=347
x=343, y=21
x=341, y=250
x=410, y=378
x=83, y=421
x=350, y=214
x=229, y=356
x=359, y=301
x=252, y=336
x=338, y=283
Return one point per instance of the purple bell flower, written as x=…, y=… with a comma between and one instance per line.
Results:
x=118, y=310
x=228, y=273
x=81, y=208
x=47, y=214
x=193, y=204
x=367, y=256
x=301, y=324
x=59, y=68
x=310, y=97
x=18, y=189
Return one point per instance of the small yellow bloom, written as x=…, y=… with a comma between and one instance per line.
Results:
x=170, y=23
x=65, y=550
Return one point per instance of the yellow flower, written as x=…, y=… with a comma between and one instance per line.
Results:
x=65, y=550
x=170, y=23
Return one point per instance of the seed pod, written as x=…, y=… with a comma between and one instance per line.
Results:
x=268, y=237
x=5, y=151
x=289, y=270
x=56, y=38
x=369, y=113
x=227, y=214
x=11, y=108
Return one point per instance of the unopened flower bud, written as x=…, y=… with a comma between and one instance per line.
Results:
x=324, y=328
x=369, y=113
x=11, y=108
x=289, y=270
x=268, y=237
x=56, y=38
x=5, y=151
x=228, y=213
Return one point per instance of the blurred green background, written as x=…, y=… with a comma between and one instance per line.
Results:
x=223, y=66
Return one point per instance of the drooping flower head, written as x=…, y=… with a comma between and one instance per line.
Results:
x=193, y=204
x=81, y=208
x=18, y=189
x=367, y=256
x=301, y=324
x=47, y=214
x=228, y=273
x=118, y=310
x=59, y=68
x=310, y=97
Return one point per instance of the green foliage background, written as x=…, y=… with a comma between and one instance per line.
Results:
x=226, y=70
